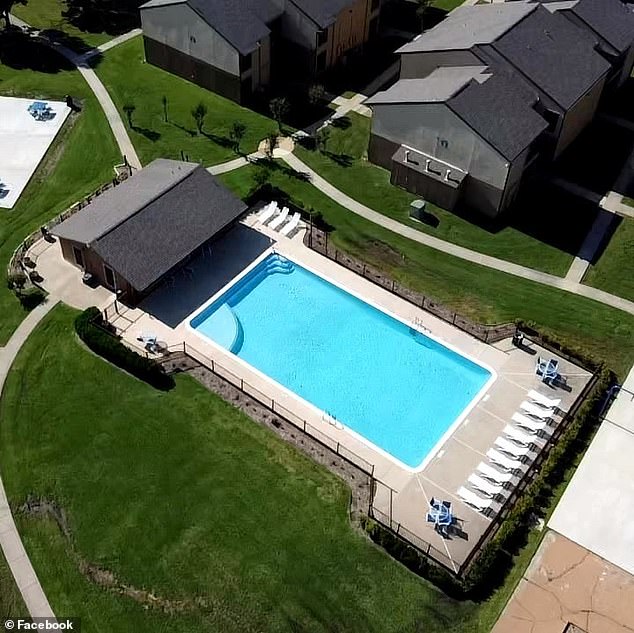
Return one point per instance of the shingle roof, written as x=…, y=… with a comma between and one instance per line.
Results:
x=501, y=111
x=243, y=23
x=467, y=26
x=116, y=205
x=323, y=12
x=143, y=244
x=554, y=54
x=438, y=86
x=611, y=19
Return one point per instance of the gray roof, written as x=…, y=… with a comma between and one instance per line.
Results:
x=553, y=53
x=438, y=86
x=322, y=12
x=144, y=243
x=115, y=206
x=467, y=26
x=611, y=19
x=501, y=111
x=243, y=23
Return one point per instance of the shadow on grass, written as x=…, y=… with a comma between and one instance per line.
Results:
x=21, y=52
x=281, y=168
x=341, y=122
x=114, y=17
x=189, y=131
x=223, y=141
x=151, y=135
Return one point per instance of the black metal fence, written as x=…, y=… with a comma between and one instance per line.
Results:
x=275, y=407
x=319, y=242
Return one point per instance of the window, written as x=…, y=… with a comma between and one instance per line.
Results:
x=109, y=274
x=322, y=37
x=79, y=256
x=245, y=62
x=321, y=62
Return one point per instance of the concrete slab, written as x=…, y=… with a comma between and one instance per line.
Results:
x=566, y=583
x=596, y=509
x=28, y=139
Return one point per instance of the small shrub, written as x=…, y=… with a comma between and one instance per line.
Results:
x=32, y=298
x=111, y=349
x=16, y=281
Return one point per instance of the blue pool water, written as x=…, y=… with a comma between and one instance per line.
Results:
x=392, y=385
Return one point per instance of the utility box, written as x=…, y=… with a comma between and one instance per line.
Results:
x=417, y=210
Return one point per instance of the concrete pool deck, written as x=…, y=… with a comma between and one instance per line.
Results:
x=29, y=141
x=166, y=314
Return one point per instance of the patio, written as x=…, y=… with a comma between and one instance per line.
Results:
x=29, y=135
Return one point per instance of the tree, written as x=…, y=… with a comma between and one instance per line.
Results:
x=236, y=134
x=316, y=94
x=199, y=113
x=323, y=134
x=279, y=109
x=271, y=144
x=421, y=10
x=5, y=9
x=129, y=109
x=262, y=176
x=164, y=102
x=16, y=281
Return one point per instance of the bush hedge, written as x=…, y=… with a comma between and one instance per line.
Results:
x=490, y=568
x=110, y=348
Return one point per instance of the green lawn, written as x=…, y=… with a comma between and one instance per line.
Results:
x=614, y=270
x=131, y=81
x=80, y=159
x=542, y=233
x=47, y=14
x=11, y=604
x=447, y=5
x=481, y=293
x=180, y=494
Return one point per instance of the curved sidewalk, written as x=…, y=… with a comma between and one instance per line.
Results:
x=452, y=249
x=25, y=577
x=90, y=76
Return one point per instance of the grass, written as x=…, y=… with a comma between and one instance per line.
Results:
x=612, y=272
x=229, y=517
x=132, y=81
x=543, y=233
x=47, y=15
x=11, y=604
x=446, y=5
x=481, y=293
x=80, y=159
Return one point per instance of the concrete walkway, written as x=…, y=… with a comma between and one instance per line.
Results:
x=112, y=43
x=588, y=251
x=25, y=577
x=236, y=163
x=112, y=114
x=452, y=249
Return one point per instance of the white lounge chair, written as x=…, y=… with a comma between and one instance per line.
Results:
x=147, y=338
x=493, y=474
x=268, y=212
x=291, y=225
x=474, y=500
x=542, y=400
x=512, y=449
x=518, y=436
x=484, y=486
x=536, y=411
x=533, y=426
x=503, y=461
x=279, y=219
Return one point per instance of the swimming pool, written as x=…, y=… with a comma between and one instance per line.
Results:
x=397, y=389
